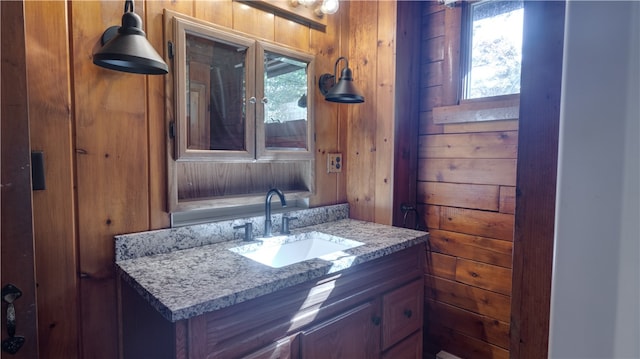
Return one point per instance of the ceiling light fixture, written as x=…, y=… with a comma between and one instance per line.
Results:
x=320, y=7
x=126, y=48
x=327, y=7
x=344, y=91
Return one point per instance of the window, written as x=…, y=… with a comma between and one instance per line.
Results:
x=492, y=48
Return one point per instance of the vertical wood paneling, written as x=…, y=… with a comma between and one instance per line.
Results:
x=542, y=45
x=407, y=107
x=291, y=33
x=51, y=132
x=327, y=131
x=159, y=218
x=384, y=115
x=253, y=21
x=16, y=222
x=360, y=156
x=112, y=170
x=219, y=12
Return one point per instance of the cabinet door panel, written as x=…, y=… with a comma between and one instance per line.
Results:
x=406, y=349
x=354, y=334
x=402, y=312
x=285, y=348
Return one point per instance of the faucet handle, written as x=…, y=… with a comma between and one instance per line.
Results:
x=284, y=229
x=248, y=231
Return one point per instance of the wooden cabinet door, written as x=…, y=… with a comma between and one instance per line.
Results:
x=410, y=347
x=402, y=313
x=16, y=225
x=351, y=335
x=285, y=348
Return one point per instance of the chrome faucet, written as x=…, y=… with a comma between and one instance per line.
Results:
x=267, y=209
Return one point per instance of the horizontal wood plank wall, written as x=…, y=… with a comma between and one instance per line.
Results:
x=106, y=160
x=465, y=191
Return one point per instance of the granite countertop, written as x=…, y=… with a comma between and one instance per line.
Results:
x=185, y=283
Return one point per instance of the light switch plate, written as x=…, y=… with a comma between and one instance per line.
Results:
x=334, y=162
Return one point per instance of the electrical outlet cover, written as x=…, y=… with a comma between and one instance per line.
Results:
x=334, y=162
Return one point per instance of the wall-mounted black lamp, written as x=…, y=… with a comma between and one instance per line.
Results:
x=127, y=49
x=344, y=91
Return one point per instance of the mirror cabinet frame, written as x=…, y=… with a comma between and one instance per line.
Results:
x=256, y=153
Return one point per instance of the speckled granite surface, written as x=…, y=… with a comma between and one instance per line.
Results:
x=189, y=282
x=129, y=246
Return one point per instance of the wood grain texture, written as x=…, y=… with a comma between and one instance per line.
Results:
x=481, y=223
x=477, y=300
x=498, y=171
x=291, y=33
x=435, y=23
x=540, y=99
x=120, y=127
x=463, y=321
x=481, y=249
x=407, y=69
x=385, y=101
x=219, y=12
x=451, y=84
x=433, y=50
x=362, y=133
x=470, y=145
x=462, y=169
x=426, y=125
x=431, y=74
x=16, y=223
x=111, y=170
x=253, y=21
x=507, y=199
x=485, y=276
x=161, y=115
x=51, y=132
x=327, y=130
x=440, y=265
x=484, y=126
x=466, y=346
x=485, y=197
x=430, y=216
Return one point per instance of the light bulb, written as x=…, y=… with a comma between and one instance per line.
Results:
x=329, y=6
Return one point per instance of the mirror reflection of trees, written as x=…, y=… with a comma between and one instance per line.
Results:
x=285, y=83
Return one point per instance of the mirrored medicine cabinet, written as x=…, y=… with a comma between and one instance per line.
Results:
x=240, y=120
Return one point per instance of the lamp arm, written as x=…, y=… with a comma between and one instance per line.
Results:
x=128, y=6
x=335, y=67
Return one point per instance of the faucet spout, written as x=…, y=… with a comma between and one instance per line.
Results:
x=267, y=209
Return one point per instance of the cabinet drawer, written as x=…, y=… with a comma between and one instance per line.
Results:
x=402, y=313
x=407, y=348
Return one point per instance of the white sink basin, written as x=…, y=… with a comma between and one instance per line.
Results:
x=280, y=251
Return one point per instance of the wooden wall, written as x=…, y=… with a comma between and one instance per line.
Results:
x=466, y=192
x=370, y=130
x=104, y=140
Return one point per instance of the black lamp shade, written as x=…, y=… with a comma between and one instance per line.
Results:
x=344, y=91
x=129, y=50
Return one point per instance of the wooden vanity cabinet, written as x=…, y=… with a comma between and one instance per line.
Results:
x=373, y=310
